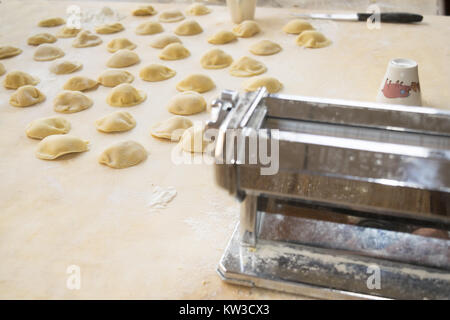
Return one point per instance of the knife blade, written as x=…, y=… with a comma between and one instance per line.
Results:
x=391, y=17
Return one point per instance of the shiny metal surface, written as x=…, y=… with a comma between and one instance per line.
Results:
x=326, y=16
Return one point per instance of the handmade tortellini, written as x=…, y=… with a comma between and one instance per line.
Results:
x=125, y=95
x=47, y=52
x=163, y=40
x=123, y=155
x=2, y=69
x=123, y=58
x=149, y=27
x=197, y=9
x=41, y=128
x=8, y=51
x=193, y=140
x=86, y=39
x=188, y=28
x=174, y=51
x=120, y=43
x=116, y=122
x=109, y=28
x=65, y=67
x=51, y=22
x=222, y=37
x=80, y=83
x=271, y=84
x=41, y=38
x=26, y=96
x=17, y=79
x=312, y=39
x=68, y=32
x=144, y=11
x=246, y=29
x=156, y=72
x=172, y=128
x=297, y=26
x=57, y=145
x=71, y=102
x=112, y=78
x=216, y=59
x=187, y=103
x=247, y=67
x=171, y=16
x=265, y=48
x=196, y=82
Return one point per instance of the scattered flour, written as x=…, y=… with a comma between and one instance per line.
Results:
x=88, y=18
x=160, y=197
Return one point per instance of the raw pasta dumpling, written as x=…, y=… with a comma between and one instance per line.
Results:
x=123, y=155
x=43, y=127
x=172, y=128
x=116, y=122
x=51, y=22
x=188, y=28
x=109, y=28
x=80, y=83
x=144, y=11
x=125, y=95
x=271, y=84
x=26, y=96
x=2, y=69
x=196, y=82
x=193, y=139
x=112, y=78
x=246, y=29
x=65, y=67
x=41, y=38
x=247, y=67
x=156, y=72
x=123, y=58
x=312, y=39
x=163, y=40
x=120, y=43
x=197, y=9
x=71, y=102
x=8, y=51
x=171, y=16
x=149, y=27
x=17, y=79
x=86, y=39
x=174, y=51
x=186, y=103
x=222, y=37
x=57, y=145
x=68, y=32
x=297, y=26
x=47, y=52
x=265, y=48
x=216, y=59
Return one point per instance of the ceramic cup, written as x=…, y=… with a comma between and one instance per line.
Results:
x=401, y=84
x=241, y=10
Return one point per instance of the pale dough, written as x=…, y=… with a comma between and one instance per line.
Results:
x=65, y=67
x=113, y=77
x=297, y=26
x=271, y=84
x=26, y=96
x=247, y=67
x=71, y=102
x=312, y=39
x=8, y=51
x=171, y=16
x=47, y=52
x=196, y=82
x=265, y=48
x=174, y=51
x=41, y=38
x=67, y=32
x=123, y=58
x=144, y=11
x=86, y=39
x=188, y=28
x=17, y=79
x=156, y=72
x=216, y=59
x=80, y=83
x=57, y=145
x=109, y=28
x=149, y=27
x=43, y=127
x=222, y=37
x=163, y=40
x=246, y=29
x=51, y=22
x=187, y=103
x=2, y=69
x=193, y=140
x=123, y=155
x=172, y=128
x=120, y=43
x=197, y=9
x=116, y=122
x=125, y=95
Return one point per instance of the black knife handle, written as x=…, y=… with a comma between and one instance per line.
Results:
x=393, y=17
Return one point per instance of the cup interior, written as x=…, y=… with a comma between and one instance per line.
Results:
x=403, y=63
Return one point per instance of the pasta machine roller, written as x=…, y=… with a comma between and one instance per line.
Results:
x=338, y=198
